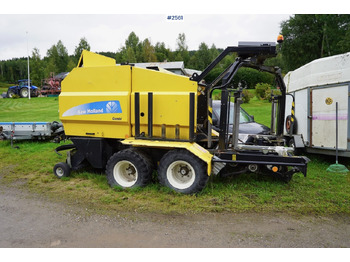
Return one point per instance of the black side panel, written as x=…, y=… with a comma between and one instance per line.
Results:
x=95, y=150
x=202, y=109
x=223, y=119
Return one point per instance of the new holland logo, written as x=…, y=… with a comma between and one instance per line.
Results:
x=112, y=107
x=100, y=107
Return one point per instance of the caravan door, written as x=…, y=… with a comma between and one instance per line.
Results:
x=323, y=116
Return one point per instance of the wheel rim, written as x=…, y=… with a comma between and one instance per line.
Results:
x=288, y=125
x=60, y=171
x=180, y=174
x=24, y=92
x=125, y=173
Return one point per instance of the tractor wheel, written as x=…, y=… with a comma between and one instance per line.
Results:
x=129, y=168
x=23, y=92
x=61, y=170
x=182, y=171
x=34, y=93
x=10, y=93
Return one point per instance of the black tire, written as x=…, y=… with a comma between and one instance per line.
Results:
x=61, y=170
x=232, y=170
x=289, y=124
x=182, y=171
x=23, y=92
x=291, y=143
x=297, y=151
x=10, y=93
x=129, y=168
x=34, y=93
x=285, y=177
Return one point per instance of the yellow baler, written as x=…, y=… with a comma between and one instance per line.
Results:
x=132, y=120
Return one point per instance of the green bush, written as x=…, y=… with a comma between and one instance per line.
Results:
x=247, y=96
x=260, y=90
x=272, y=91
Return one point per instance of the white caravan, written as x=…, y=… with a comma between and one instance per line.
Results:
x=317, y=86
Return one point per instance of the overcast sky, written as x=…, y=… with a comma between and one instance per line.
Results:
x=112, y=22
x=108, y=32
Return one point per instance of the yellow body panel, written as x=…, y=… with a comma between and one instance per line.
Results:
x=170, y=101
x=85, y=94
x=88, y=90
x=194, y=148
x=90, y=59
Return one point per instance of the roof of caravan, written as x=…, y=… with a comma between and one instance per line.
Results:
x=323, y=71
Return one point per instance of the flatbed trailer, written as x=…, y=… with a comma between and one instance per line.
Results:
x=30, y=130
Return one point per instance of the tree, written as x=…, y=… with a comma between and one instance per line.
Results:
x=108, y=54
x=162, y=53
x=308, y=37
x=129, y=56
x=214, y=52
x=52, y=58
x=132, y=51
x=14, y=69
x=83, y=45
x=203, y=56
x=148, y=52
x=182, y=49
x=62, y=56
x=57, y=58
x=132, y=41
x=71, y=64
x=36, y=67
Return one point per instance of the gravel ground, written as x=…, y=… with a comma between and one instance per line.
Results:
x=29, y=220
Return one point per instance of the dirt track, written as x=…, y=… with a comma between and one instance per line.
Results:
x=28, y=220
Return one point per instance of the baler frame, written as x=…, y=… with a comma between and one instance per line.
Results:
x=250, y=55
x=199, y=148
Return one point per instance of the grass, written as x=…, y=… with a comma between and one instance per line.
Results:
x=260, y=109
x=31, y=166
x=4, y=87
x=36, y=109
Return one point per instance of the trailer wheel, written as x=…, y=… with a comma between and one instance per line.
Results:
x=23, y=92
x=61, y=170
x=128, y=168
x=182, y=171
x=289, y=124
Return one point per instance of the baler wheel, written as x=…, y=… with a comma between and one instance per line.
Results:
x=128, y=168
x=182, y=171
x=61, y=170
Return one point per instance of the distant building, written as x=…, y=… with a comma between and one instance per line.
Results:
x=174, y=67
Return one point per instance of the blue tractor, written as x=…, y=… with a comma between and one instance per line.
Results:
x=22, y=89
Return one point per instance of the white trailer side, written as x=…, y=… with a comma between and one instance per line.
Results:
x=317, y=86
